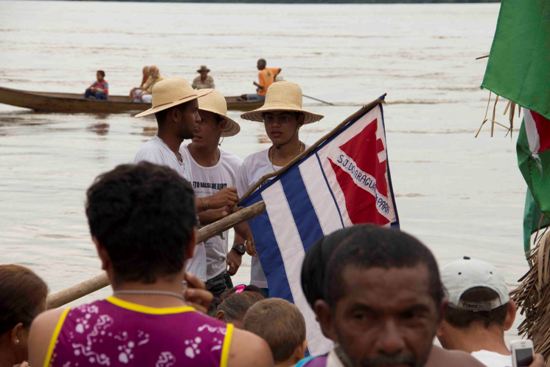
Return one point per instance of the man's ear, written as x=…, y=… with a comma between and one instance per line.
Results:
x=510, y=315
x=300, y=351
x=190, y=248
x=220, y=315
x=103, y=255
x=17, y=334
x=324, y=316
x=173, y=114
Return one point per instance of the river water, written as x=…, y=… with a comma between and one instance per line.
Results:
x=459, y=194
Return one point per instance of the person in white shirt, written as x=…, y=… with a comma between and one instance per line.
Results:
x=478, y=313
x=213, y=169
x=175, y=106
x=282, y=115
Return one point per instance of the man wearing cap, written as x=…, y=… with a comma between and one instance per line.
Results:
x=479, y=311
x=213, y=169
x=175, y=107
x=282, y=115
x=203, y=81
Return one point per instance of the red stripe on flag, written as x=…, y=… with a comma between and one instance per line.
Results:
x=543, y=128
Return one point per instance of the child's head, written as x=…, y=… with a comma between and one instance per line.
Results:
x=281, y=325
x=235, y=302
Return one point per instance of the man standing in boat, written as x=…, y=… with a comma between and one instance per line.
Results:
x=282, y=115
x=99, y=89
x=266, y=77
x=203, y=81
x=175, y=107
x=213, y=169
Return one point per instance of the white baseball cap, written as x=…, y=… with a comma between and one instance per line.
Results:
x=465, y=274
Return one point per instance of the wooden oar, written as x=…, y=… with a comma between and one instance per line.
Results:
x=318, y=100
x=99, y=281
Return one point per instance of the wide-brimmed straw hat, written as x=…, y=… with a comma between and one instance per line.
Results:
x=215, y=102
x=203, y=68
x=171, y=92
x=282, y=96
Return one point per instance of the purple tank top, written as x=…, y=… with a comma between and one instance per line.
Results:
x=113, y=332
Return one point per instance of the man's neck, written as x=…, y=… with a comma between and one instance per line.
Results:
x=173, y=142
x=477, y=337
x=160, y=294
x=282, y=154
x=206, y=156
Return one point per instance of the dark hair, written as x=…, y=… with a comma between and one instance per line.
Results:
x=23, y=296
x=101, y=72
x=365, y=246
x=372, y=246
x=234, y=305
x=315, y=263
x=144, y=216
x=279, y=323
x=460, y=318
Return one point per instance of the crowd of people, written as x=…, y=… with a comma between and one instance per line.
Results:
x=99, y=89
x=377, y=293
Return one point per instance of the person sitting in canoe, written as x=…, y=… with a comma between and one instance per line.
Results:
x=203, y=81
x=134, y=92
x=266, y=77
x=146, y=90
x=99, y=89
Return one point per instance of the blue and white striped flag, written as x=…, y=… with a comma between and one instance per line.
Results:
x=345, y=180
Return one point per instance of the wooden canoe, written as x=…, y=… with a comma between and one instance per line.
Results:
x=76, y=103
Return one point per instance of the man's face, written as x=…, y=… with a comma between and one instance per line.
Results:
x=387, y=317
x=281, y=127
x=99, y=77
x=203, y=74
x=208, y=131
x=188, y=118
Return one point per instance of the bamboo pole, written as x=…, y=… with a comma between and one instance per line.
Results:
x=280, y=171
x=99, y=281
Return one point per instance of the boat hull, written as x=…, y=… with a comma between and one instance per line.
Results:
x=76, y=103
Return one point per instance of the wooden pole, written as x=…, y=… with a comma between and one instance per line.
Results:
x=99, y=281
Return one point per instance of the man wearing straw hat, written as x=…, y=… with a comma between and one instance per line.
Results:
x=213, y=169
x=282, y=115
x=203, y=81
x=176, y=109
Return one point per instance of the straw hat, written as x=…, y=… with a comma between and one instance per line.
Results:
x=282, y=96
x=215, y=102
x=171, y=92
x=203, y=68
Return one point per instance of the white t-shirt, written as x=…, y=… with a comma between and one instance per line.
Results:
x=254, y=167
x=206, y=181
x=493, y=359
x=156, y=151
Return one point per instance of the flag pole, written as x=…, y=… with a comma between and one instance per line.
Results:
x=280, y=171
x=99, y=281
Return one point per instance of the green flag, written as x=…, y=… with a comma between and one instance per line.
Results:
x=533, y=149
x=519, y=62
x=533, y=220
